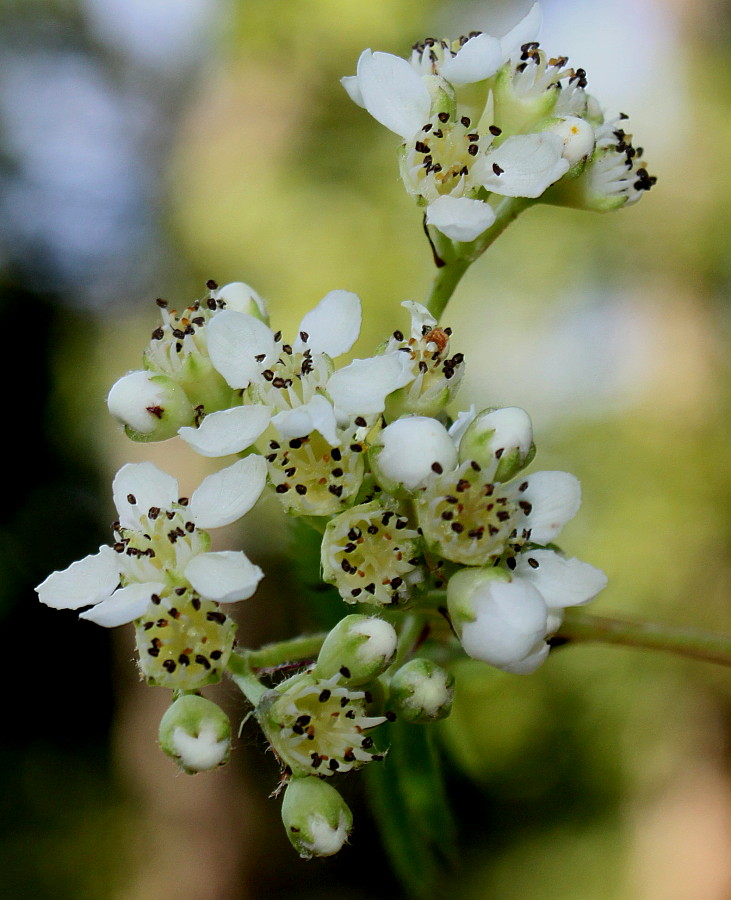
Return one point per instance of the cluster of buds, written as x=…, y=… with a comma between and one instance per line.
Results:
x=484, y=118
x=428, y=515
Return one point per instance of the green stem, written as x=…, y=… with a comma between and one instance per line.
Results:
x=456, y=258
x=270, y=655
x=581, y=627
x=239, y=668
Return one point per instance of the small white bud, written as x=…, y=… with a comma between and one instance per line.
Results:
x=500, y=621
x=577, y=136
x=316, y=817
x=196, y=733
x=408, y=451
x=359, y=648
x=422, y=691
x=151, y=407
x=500, y=440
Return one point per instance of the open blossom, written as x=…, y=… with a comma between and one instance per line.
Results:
x=161, y=574
x=480, y=114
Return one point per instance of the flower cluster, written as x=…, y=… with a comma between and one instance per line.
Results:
x=420, y=507
x=484, y=118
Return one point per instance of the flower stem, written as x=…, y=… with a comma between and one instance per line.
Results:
x=580, y=627
x=306, y=646
x=455, y=258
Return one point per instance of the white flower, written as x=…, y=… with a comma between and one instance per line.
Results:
x=160, y=547
x=455, y=145
x=505, y=621
x=293, y=385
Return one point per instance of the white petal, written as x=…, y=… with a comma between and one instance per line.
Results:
x=411, y=447
x=420, y=316
x=227, y=431
x=226, y=576
x=200, y=753
x=125, y=605
x=511, y=621
x=460, y=218
x=476, y=60
x=526, y=30
x=333, y=326
x=316, y=415
x=529, y=163
x=227, y=495
x=555, y=498
x=562, y=582
x=90, y=580
x=529, y=663
x=352, y=86
x=362, y=387
x=393, y=93
x=234, y=341
x=461, y=423
x=139, y=486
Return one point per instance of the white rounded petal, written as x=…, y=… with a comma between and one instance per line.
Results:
x=131, y=397
x=382, y=639
x=561, y=582
x=412, y=449
x=242, y=297
x=125, y=605
x=228, y=431
x=88, y=581
x=352, y=87
x=462, y=423
x=362, y=387
x=225, y=496
x=225, y=576
x=235, y=340
x=479, y=58
x=315, y=415
x=577, y=136
x=460, y=218
x=554, y=498
x=393, y=93
x=528, y=164
x=510, y=622
x=333, y=326
x=526, y=30
x=530, y=663
x=139, y=486
x=202, y=752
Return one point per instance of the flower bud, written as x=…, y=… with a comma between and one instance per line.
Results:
x=500, y=621
x=316, y=817
x=422, y=691
x=196, y=734
x=408, y=451
x=151, y=407
x=500, y=440
x=359, y=648
x=577, y=136
x=243, y=298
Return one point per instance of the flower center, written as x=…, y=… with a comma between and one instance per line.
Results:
x=440, y=160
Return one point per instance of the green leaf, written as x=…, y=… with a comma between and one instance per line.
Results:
x=409, y=803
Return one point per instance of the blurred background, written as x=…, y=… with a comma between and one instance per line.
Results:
x=149, y=145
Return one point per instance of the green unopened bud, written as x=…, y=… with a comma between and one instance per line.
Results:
x=196, y=734
x=316, y=817
x=359, y=648
x=151, y=407
x=422, y=691
x=499, y=440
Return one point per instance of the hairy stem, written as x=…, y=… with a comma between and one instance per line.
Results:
x=581, y=627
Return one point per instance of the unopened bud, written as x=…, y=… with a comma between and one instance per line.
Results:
x=577, y=136
x=359, y=648
x=151, y=407
x=243, y=298
x=196, y=733
x=408, y=451
x=500, y=440
x=422, y=691
x=316, y=817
